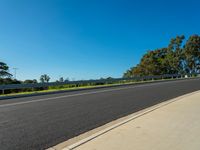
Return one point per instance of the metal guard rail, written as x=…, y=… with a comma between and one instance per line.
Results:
x=102, y=81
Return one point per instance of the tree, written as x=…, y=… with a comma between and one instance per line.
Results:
x=61, y=79
x=152, y=63
x=9, y=81
x=30, y=81
x=131, y=72
x=4, y=70
x=177, y=58
x=44, y=78
x=109, y=78
x=149, y=64
x=175, y=55
x=192, y=54
x=67, y=80
x=127, y=74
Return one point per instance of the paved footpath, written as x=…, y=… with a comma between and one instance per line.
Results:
x=175, y=126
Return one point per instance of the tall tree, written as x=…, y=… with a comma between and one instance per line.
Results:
x=4, y=70
x=44, y=78
x=129, y=73
x=152, y=63
x=177, y=58
x=175, y=55
x=61, y=79
x=192, y=54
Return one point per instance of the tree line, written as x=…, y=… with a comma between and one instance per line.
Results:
x=181, y=56
x=7, y=78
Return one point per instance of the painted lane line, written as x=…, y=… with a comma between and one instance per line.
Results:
x=58, y=97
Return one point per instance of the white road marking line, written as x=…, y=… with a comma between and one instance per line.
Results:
x=80, y=94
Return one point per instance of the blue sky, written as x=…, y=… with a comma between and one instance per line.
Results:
x=88, y=39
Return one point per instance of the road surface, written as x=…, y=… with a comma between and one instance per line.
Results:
x=39, y=122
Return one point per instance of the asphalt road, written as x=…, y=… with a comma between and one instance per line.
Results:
x=39, y=122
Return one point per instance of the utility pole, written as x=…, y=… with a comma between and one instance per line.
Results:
x=15, y=73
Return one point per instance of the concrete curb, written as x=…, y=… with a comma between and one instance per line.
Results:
x=150, y=109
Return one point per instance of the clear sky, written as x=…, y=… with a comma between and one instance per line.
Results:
x=84, y=39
